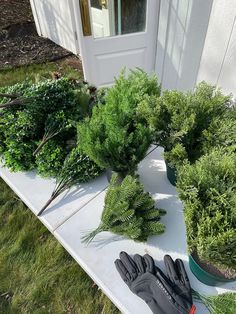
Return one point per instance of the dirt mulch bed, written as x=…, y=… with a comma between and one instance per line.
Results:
x=14, y=11
x=21, y=45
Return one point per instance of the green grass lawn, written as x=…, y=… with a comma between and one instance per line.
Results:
x=35, y=72
x=37, y=275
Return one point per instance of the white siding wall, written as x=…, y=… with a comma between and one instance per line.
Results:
x=55, y=20
x=197, y=41
x=218, y=63
x=181, y=35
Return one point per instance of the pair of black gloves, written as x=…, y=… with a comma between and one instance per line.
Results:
x=164, y=294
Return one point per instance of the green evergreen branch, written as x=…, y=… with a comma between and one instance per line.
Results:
x=128, y=211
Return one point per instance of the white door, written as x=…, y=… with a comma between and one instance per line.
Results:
x=102, y=18
x=123, y=35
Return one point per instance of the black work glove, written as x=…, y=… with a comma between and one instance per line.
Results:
x=176, y=273
x=149, y=283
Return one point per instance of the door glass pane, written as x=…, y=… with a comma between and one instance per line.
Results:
x=117, y=17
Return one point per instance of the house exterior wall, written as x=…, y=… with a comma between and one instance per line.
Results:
x=218, y=62
x=197, y=41
x=54, y=19
x=181, y=35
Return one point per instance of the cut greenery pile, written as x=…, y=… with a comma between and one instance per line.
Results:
x=38, y=130
x=65, y=128
x=37, y=123
x=115, y=136
x=198, y=132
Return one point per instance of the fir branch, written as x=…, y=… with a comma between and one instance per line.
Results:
x=128, y=211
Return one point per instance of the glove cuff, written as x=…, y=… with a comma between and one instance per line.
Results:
x=193, y=309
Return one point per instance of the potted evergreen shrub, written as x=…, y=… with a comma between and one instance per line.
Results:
x=115, y=137
x=221, y=132
x=208, y=191
x=177, y=121
x=173, y=160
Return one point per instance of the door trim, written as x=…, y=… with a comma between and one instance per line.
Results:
x=81, y=38
x=85, y=17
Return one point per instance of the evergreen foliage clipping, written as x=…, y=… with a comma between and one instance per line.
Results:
x=49, y=161
x=221, y=132
x=129, y=211
x=77, y=168
x=224, y=303
x=115, y=137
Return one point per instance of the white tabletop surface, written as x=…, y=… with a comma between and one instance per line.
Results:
x=79, y=211
x=35, y=192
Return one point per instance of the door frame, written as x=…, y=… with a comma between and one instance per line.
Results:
x=80, y=36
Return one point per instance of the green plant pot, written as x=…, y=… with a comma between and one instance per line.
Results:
x=204, y=276
x=120, y=175
x=171, y=174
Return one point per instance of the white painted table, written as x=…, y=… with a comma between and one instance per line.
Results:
x=78, y=211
